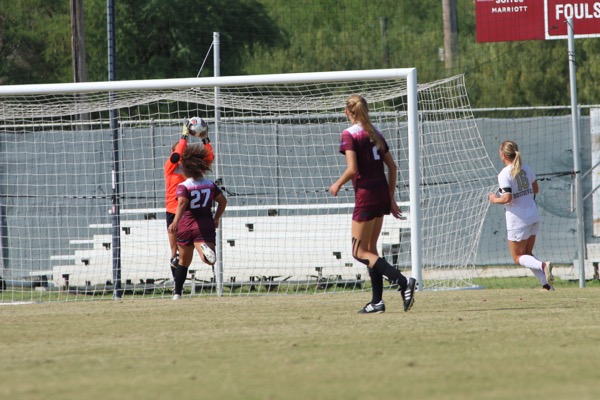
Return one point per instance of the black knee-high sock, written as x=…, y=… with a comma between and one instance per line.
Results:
x=384, y=268
x=173, y=269
x=180, y=275
x=376, y=286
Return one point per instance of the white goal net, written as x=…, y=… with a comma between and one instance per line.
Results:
x=82, y=192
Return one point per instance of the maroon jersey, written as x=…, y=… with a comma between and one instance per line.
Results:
x=197, y=223
x=370, y=183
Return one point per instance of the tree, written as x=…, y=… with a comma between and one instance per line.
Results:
x=35, y=42
x=155, y=38
x=170, y=39
x=332, y=35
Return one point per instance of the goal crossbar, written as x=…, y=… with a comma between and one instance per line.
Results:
x=220, y=81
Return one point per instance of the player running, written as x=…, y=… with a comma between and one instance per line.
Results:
x=518, y=187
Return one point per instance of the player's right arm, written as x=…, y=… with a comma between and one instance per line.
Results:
x=347, y=148
x=505, y=191
x=176, y=154
x=349, y=173
x=181, y=146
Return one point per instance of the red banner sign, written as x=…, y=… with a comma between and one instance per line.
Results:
x=585, y=14
x=509, y=20
x=513, y=20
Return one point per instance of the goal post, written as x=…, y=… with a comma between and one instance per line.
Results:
x=277, y=153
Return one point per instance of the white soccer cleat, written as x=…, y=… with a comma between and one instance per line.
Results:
x=547, y=267
x=176, y=297
x=209, y=254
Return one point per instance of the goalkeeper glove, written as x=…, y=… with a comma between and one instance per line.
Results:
x=204, y=136
x=186, y=131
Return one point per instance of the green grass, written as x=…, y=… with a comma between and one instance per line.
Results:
x=478, y=344
x=15, y=295
x=528, y=282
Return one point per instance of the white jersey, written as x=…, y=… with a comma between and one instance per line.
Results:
x=522, y=210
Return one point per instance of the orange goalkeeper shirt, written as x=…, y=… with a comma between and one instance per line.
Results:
x=174, y=174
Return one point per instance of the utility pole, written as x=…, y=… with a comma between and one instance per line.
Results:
x=450, y=19
x=78, y=41
x=385, y=48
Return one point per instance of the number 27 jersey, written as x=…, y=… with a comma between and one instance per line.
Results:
x=201, y=194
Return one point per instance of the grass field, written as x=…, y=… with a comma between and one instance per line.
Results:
x=478, y=344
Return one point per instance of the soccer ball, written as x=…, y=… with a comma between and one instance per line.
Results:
x=197, y=126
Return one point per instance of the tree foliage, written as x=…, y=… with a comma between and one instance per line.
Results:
x=155, y=38
x=169, y=39
x=330, y=36
x=34, y=45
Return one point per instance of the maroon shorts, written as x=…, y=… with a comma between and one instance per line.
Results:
x=368, y=213
x=198, y=230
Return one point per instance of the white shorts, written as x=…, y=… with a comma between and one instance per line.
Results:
x=518, y=235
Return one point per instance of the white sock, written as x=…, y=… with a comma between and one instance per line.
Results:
x=535, y=266
x=540, y=275
x=530, y=262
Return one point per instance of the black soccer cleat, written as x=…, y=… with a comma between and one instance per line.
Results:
x=371, y=308
x=174, y=261
x=408, y=295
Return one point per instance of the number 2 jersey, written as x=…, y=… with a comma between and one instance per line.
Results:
x=370, y=183
x=522, y=210
x=198, y=215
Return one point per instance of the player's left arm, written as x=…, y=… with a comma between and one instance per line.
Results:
x=392, y=176
x=210, y=154
x=221, y=205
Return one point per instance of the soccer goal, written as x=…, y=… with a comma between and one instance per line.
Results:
x=82, y=202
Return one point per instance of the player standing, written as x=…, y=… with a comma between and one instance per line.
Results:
x=366, y=154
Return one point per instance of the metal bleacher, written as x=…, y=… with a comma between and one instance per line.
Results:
x=253, y=248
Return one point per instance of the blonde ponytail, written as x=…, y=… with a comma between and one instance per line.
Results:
x=511, y=151
x=359, y=110
x=516, y=169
